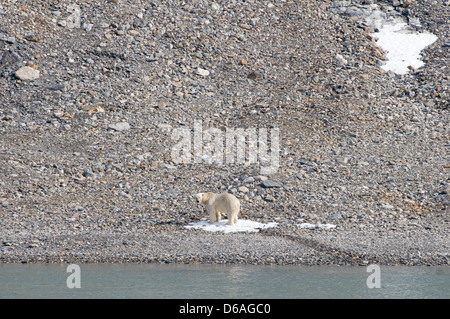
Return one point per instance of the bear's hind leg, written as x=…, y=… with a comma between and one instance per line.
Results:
x=231, y=219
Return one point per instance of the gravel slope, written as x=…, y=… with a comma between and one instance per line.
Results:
x=360, y=148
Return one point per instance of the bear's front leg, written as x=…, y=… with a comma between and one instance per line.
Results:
x=212, y=215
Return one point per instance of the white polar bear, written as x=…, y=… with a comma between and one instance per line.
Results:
x=220, y=203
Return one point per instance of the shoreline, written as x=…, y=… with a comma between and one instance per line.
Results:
x=291, y=246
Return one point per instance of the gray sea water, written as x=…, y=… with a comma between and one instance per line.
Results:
x=221, y=281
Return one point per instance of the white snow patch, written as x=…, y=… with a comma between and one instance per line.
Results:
x=402, y=46
x=400, y=40
x=240, y=226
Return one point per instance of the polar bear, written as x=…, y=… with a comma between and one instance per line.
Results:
x=220, y=203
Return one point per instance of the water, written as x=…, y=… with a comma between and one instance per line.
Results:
x=221, y=281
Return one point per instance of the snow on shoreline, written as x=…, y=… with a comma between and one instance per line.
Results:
x=248, y=226
x=240, y=226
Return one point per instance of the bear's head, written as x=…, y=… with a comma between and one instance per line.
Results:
x=199, y=197
x=203, y=198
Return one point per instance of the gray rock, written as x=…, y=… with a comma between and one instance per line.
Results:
x=87, y=26
x=120, y=126
x=27, y=73
x=56, y=87
x=415, y=22
x=387, y=206
x=334, y=217
x=248, y=180
x=170, y=166
x=88, y=174
x=202, y=72
x=9, y=61
x=243, y=189
x=269, y=184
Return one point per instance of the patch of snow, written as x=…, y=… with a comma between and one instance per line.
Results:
x=399, y=39
x=240, y=226
x=402, y=46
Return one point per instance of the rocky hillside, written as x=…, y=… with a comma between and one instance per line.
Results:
x=91, y=93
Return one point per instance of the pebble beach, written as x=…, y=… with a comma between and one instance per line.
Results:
x=92, y=92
